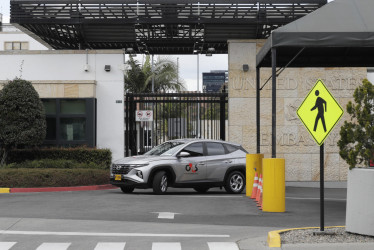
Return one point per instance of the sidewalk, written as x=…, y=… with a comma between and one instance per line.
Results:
x=57, y=189
x=316, y=184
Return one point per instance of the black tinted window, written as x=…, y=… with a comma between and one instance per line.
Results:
x=231, y=148
x=195, y=149
x=215, y=148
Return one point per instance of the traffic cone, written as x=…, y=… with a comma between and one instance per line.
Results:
x=259, y=204
x=259, y=189
x=255, y=186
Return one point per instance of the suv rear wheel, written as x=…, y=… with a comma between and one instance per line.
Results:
x=201, y=189
x=127, y=190
x=160, y=183
x=235, y=183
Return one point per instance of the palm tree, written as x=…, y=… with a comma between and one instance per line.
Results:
x=139, y=77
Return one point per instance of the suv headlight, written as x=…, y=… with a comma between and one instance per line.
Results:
x=138, y=165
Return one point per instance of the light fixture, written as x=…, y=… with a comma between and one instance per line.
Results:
x=107, y=68
x=131, y=52
x=245, y=67
x=211, y=50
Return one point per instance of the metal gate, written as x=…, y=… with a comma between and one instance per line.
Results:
x=175, y=115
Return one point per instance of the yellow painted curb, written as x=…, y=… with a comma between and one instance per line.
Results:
x=274, y=239
x=4, y=190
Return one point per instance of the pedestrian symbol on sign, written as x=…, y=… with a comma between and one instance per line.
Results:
x=321, y=111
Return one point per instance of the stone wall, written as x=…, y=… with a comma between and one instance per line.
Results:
x=293, y=140
x=63, y=89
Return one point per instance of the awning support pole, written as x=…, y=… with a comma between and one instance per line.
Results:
x=258, y=108
x=274, y=102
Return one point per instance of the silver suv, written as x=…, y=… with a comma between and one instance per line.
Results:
x=184, y=163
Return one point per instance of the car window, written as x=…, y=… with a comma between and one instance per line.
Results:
x=215, y=148
x=163, y=148
x=231, y=148
x=194, y=149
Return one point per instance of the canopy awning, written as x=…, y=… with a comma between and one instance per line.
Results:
x=340, y=34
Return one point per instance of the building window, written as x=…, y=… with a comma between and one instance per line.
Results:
x=73, y=129
x=16, y=45
x=70, y=121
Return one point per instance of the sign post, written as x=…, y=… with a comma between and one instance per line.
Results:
x=320, y=112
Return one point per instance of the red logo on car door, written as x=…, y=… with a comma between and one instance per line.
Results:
x=191, y=168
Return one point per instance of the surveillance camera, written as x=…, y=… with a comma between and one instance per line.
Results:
x=86, y=67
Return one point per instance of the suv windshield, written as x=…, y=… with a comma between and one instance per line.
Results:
x=167, y=148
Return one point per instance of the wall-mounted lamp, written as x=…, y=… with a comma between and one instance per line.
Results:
x=107, y=68
x=131, y=51
x=245, y=67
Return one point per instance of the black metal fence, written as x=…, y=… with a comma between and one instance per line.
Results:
x=175, y=115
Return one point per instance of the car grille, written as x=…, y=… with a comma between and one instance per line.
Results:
x=121, y=169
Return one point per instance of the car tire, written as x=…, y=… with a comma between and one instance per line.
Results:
x=127, y=189
x=160, y=183
x=201, y=190
x=235, y=182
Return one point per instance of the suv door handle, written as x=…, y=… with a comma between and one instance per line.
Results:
x=227, y=161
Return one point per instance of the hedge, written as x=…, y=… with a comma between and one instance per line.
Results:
x=24, y=178
x=102, y=157
x=50, y=163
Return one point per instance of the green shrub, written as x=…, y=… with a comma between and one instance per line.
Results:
x=22, y=116
x=356, y=136
x=51, y=163
x=24, y=178
x=99, y=157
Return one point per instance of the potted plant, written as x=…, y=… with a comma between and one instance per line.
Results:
x=356, y=146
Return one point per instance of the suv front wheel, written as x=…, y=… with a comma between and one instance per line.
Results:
x=235, y=183
x=160, y=183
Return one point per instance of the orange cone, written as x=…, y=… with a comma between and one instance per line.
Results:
x=259, y=189
x=255, y=186
x=259, y=204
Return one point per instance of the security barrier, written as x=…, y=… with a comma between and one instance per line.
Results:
x=274, y=185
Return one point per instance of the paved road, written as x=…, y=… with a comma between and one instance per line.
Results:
x=216, y=220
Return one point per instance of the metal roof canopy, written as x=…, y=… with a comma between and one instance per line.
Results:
x=155, y=26
x=340, y=34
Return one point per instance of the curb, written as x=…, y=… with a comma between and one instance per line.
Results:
x=274, y=239
x=57, y=189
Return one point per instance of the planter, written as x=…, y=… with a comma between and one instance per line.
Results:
x=360, y=201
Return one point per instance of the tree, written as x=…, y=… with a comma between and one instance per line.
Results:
x=139, y=77
x=22, y=117
x=356, y=137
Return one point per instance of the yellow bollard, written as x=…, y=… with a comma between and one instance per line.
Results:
x=253, y=164
x=274, y=185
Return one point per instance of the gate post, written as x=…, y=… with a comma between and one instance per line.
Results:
x=222, y=117
x=127, y=140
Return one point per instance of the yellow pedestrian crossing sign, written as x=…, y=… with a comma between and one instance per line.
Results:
x=320, y=112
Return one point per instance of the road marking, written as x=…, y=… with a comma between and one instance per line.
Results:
x=165, y=215
x=166, y=246
x=110, y=246
x=113, y=234
x=223, y=246
x=301, y=198
x=6, y=245
x=207, y=196
x=54, y=246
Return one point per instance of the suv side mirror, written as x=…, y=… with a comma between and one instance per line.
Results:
x=183, y=154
